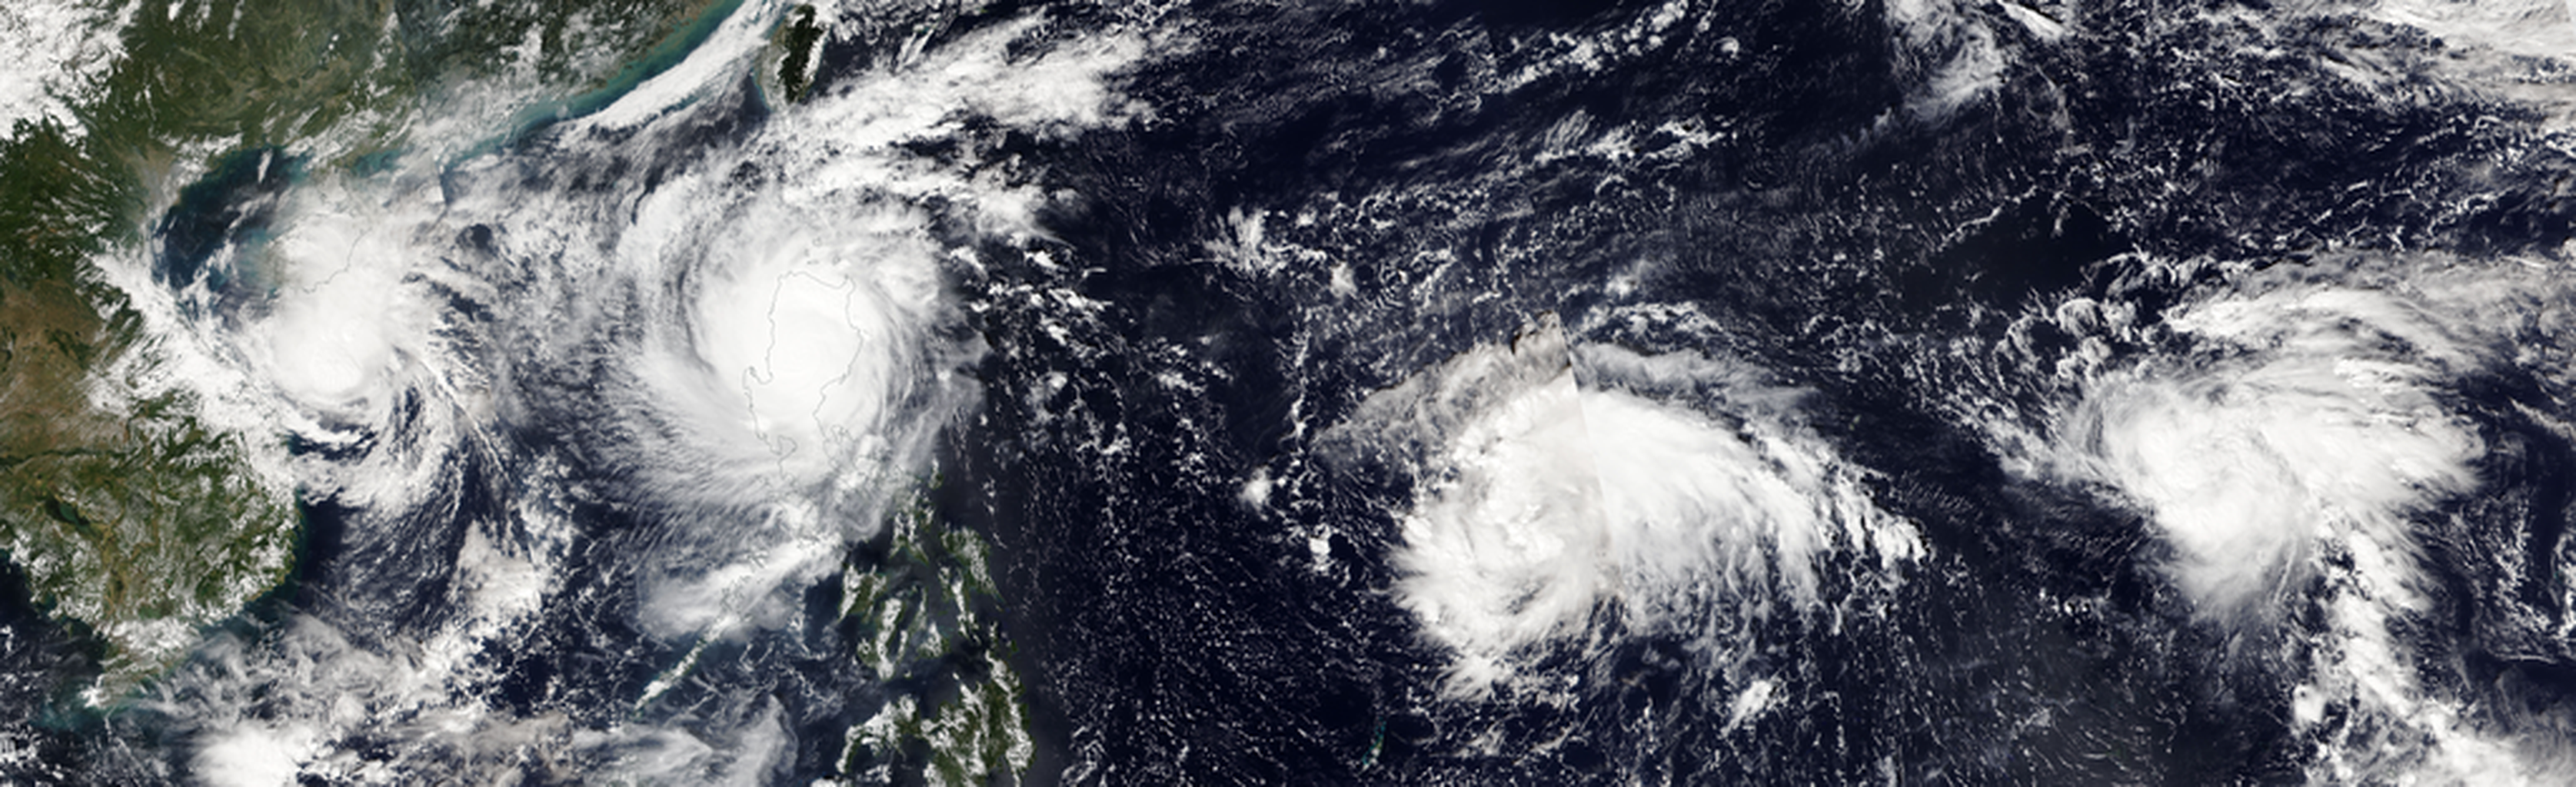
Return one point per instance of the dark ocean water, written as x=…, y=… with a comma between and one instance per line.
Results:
x=2118, y=393
x=1834, y=238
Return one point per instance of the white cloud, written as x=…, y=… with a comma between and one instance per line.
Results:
x=57, y=48
x=2295, y=441
x=756, y=331
x=2308, y=423
x=1539, y=501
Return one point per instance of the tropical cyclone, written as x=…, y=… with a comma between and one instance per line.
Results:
x=147, y=498
x=1538, y=497
x=1695, y=391
x=525, y=392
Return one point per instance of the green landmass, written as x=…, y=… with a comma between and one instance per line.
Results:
x=922, y=597
x=137, y=521
x=795, y=46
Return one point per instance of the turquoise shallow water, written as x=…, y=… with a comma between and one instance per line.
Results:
x=1694, y=392
x=664, y=54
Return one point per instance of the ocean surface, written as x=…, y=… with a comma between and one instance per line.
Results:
x=747, y=392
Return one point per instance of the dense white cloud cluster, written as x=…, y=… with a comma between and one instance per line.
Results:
x=57, y=48
x=1550, y=485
